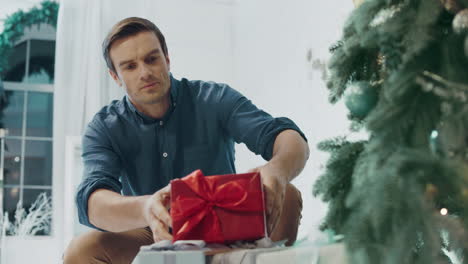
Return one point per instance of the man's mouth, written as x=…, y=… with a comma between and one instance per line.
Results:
x=149, y=85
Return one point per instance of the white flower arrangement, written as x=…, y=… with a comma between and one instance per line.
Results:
x=30, y=223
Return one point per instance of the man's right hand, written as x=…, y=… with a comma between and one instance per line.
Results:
x=157, y=215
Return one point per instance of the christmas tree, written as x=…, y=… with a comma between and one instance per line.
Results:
x=401, y=195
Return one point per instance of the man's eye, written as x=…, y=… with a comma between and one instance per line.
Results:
x=130, y=66
x=151, y=59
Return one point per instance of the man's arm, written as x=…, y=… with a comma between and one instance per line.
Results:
x=111, y=211
x=278, y=140
x=290, y=153
x=99, y=202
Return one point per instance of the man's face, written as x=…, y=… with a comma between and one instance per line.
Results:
x=142, y=69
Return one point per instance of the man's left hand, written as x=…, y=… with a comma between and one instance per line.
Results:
x=274, y=184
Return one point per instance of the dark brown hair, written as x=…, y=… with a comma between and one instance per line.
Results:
x=129, y=27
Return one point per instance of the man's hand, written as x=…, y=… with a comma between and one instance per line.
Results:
x=274, y=185
x=156, y=214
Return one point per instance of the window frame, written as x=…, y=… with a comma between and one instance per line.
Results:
x=30, y=34
x=26, y=88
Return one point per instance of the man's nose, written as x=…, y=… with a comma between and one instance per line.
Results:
x=145, y=72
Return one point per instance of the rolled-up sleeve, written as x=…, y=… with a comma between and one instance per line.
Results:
x=102, y=168
x=250, y=125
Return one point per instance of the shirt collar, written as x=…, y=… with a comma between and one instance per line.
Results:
x=147, y=119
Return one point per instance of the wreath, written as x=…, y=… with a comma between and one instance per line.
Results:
x=15, y=24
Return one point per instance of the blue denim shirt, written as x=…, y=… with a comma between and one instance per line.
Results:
x=133, y=154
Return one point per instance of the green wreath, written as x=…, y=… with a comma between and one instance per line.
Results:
x=15, y=24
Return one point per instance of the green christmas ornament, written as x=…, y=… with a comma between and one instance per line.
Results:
x=360, y=98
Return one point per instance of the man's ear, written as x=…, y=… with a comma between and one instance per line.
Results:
x=168, y=62
x=115, y=77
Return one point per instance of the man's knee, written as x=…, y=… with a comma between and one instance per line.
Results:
x=84, y=248
x=290, y=216
x=293, y=199
x=293, y=206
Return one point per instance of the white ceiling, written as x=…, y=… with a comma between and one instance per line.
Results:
x=9, y=7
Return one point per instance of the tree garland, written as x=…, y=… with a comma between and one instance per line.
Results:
x=15, y=24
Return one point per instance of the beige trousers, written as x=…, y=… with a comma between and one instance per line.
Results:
x=118, y=248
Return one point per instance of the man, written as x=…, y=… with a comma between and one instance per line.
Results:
x=163, y=129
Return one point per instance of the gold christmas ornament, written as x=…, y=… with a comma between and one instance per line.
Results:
x=453, y=6
x=465, y=193
x=431, y=192
x=460, y=22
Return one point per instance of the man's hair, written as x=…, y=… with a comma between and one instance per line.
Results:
x=129, y=27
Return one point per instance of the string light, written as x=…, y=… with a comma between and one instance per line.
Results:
x=443, y=211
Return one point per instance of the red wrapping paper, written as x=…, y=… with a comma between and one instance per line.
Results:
x=218, y=209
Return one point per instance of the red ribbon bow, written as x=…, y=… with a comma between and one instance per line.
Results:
x=197, y=210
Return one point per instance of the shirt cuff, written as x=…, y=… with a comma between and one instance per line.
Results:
x=279, y=125
x=86, y=188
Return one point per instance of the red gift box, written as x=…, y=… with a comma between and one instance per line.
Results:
x=218, y=209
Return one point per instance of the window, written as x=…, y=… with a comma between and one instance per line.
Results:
x=27, y=117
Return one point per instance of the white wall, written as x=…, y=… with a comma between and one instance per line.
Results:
x=271, y=42
x=199, y=38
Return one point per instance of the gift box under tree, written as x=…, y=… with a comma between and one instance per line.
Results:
x=218, y=209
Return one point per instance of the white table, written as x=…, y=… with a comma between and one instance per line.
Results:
x=330, y=254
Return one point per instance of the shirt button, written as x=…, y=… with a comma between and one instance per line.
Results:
x=161, y=123
x=165, y=154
